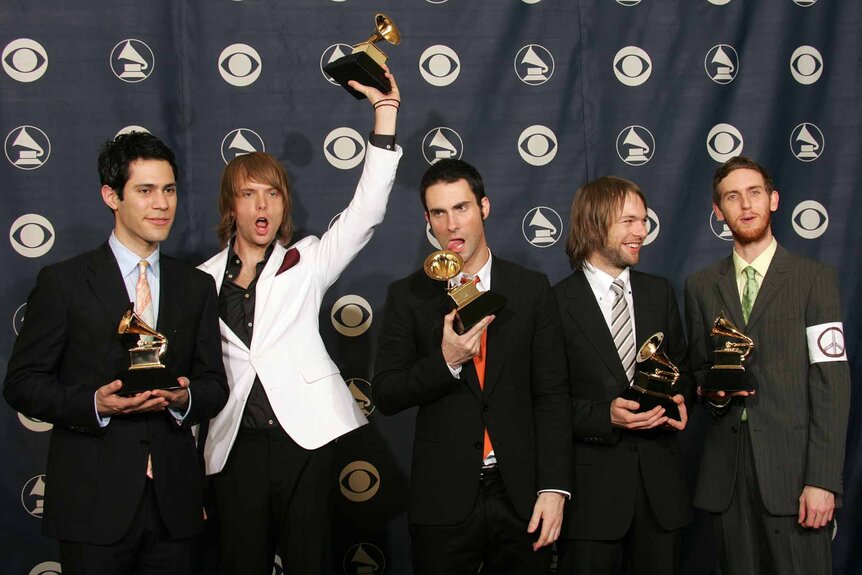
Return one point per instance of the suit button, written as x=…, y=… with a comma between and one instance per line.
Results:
x=478, y=445
x=633, y=447
x=734, y=429
x=485, y=409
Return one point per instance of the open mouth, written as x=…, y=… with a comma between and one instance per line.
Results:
x=261, y=225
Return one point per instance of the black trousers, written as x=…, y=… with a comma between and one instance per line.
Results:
x=274, y=495
x=493, y=535
x=751, y=541
x=146, y=549
x=645, y=549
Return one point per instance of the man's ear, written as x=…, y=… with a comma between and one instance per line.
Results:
x=485, y=206
x=109, y=196
x=718, y=213
x=773, y=201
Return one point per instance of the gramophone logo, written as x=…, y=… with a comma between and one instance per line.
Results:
x=47, y=568
x=364, y=559
x=653, y=226
x=431, y=239
x=723, y=142
x=439, y=65
x=351, y=315
x=542, y=227
x=719, y=228
x=807, y=142
x=534, y=64
x=33, y=496
x=721, y=63
x=27, y=147
x=632, y=66
x=635, y=145
x=18, y=318
x=435, y=1
x=537, y=145
x=344, y=148
x=531, y=1
x=239, y=65
x=240, y=142
x=25, y=60
x=331, y=54
x=31, y=235
x=442, y=143
x=359, y=481
x=34, y=424
x=719, y=2
x=629, y=2
x=132, y=61
x=361, y=391
x=810, y=219
x=804, y=3
x=130, y=129
x=806, y=65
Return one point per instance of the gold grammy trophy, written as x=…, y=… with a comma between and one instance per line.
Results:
x=727, y=372
x=146, y=371
x=365, y=63
x=656, y=378
x=472, y=304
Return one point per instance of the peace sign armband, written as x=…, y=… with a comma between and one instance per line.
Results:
x=826, y=342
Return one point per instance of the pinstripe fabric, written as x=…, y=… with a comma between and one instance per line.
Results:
x=621, y=329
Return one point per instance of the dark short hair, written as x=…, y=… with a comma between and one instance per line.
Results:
x=263, y=169
x=450, y=171
x=739, y=163
x=116, y=155
x=594, y=208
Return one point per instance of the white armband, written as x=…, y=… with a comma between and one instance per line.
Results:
x=826, y=342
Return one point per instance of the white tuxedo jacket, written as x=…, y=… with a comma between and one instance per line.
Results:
x=304, y=387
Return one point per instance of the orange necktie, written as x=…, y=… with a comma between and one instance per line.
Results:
x=479, y=363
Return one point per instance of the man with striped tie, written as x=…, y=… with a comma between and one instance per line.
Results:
x=771, y=471
x=631, y=500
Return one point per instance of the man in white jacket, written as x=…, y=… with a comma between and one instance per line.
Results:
x=271, y=449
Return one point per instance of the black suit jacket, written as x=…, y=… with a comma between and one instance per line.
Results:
x=525, y=403
x=67, y=348
x=607, y=458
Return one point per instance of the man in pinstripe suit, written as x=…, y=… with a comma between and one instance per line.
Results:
x=771, y=470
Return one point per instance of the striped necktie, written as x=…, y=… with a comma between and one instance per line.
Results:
x=621, y=329
x=144, y=309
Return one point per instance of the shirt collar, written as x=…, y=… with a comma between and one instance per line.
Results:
x=601, y=281
x=128, y=260
x=484, y=275
x=760, y=263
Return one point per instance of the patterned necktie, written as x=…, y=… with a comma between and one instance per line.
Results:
x=144, y=309
x=749, y=292
x=621, y=329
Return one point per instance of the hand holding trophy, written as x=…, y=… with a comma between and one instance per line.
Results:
x=655, y=381
x=146, y=371
x=367, y=61
x=727, y=373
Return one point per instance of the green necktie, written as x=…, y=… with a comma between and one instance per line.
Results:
x=749, y=292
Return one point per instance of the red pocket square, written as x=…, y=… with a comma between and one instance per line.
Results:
x=291, y=258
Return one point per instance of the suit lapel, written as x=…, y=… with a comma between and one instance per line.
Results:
x=585, y=313
x=170, y=309
x=644, y=318
x=107, y=283
x=729, y=293
x=773, y=283
x=504, y=282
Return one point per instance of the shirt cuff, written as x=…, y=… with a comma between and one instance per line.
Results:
x=180, y=416
x=565, y=494
x=378, y=141
x=102, y=421
x=455, y=371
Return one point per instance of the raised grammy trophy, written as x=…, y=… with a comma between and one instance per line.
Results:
x=365, y=63
x=472, y=304
x=146, y=371
x=655, y=379
x=728, y=373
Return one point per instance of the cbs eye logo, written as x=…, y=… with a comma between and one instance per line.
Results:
x=632, y=66
x=810, y=219
x=806, y=65
x=804, y=3
x=723, y=142
x=31, y=235
x=628, y=2
x=359, y=481
x=537, y=145
x=132, y=61
x=439, y=65
x=25, y=60
x=330, y=55
x=719, y=2
x=239, y=65
x=240, y=142
x=351, y=315
x=442, y=143
x=653, y=226
x=344, y=148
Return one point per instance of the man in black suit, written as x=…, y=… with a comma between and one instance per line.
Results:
x=772, y=463
x=492, y=450
x=123, y=490
x=631, y=500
